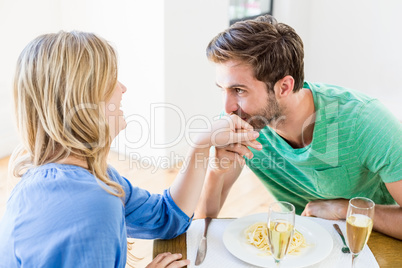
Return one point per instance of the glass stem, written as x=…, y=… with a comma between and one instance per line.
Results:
x=278, y=263
x=353, y=259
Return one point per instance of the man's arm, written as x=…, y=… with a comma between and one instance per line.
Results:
x=224, y=168
x=379, y=155
x=216, y=188
x=387, y=218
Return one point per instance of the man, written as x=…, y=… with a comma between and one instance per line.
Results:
x=322, y=144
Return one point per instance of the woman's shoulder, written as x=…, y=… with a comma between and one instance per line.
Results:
x=64, y=192
x=63, y=205
x=72, y=184
x=56, y=177
x=53, y=171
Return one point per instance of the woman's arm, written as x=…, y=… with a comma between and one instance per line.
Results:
x=150, y=216
x=186, y=189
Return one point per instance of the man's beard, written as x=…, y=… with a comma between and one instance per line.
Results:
x=271, y=113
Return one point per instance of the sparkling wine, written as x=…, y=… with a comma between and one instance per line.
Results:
x=358, y=230
x=280, y=234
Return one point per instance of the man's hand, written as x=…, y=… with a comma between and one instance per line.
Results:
x=334, y=209
x=223, y=158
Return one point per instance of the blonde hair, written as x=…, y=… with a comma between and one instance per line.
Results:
x=61, y=84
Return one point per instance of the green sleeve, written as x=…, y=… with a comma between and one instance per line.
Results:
x=378, y=141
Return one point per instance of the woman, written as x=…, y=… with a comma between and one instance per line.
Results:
x=70, y=209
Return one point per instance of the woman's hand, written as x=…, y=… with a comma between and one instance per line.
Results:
x=232, y=129
x=226, y=154
x=229, y=129
x=168, y=260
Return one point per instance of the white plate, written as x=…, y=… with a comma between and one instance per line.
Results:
x=318, y=239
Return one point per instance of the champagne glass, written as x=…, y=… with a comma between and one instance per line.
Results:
x=359, y=223
x=281, y=221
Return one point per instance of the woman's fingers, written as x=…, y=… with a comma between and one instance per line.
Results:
x=167, y=260
x=223, y=137
x=232, y=129
x=178, y=264
x=156, y=261
x=240, y=123
x=160, y=256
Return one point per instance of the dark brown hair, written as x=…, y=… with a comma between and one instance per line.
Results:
x=273, y=49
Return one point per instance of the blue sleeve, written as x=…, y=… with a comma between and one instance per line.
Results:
x=152, y=216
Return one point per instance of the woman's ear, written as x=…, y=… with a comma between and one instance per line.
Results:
x=284, y=86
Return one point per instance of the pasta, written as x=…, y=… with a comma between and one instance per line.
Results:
x=257, y=235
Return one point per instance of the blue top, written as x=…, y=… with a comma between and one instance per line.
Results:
x=60, y=216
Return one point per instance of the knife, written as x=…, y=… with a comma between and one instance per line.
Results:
x=202, y=247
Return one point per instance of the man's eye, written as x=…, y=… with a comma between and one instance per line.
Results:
x=239, y=90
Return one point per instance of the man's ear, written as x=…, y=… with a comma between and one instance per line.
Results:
x=284, y=86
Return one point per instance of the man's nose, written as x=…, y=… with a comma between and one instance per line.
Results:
x=230, y=103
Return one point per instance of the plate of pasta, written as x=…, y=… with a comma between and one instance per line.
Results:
x=246, y=239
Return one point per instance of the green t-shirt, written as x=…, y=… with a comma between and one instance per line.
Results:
x=356, y=148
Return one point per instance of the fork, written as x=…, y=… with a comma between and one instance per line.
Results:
x=345, y=248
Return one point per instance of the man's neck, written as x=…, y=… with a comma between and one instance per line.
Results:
x=299, y=117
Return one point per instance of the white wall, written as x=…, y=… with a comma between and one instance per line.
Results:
x=20, y=22
x=162, y=63
x=136, y=29
x=161, y=47
x=189, y=76
x=355, y=44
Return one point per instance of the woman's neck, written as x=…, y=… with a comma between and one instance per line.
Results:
x=72, y=160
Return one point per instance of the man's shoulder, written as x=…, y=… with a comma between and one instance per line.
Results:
x=329, y=93
x=342, y=104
